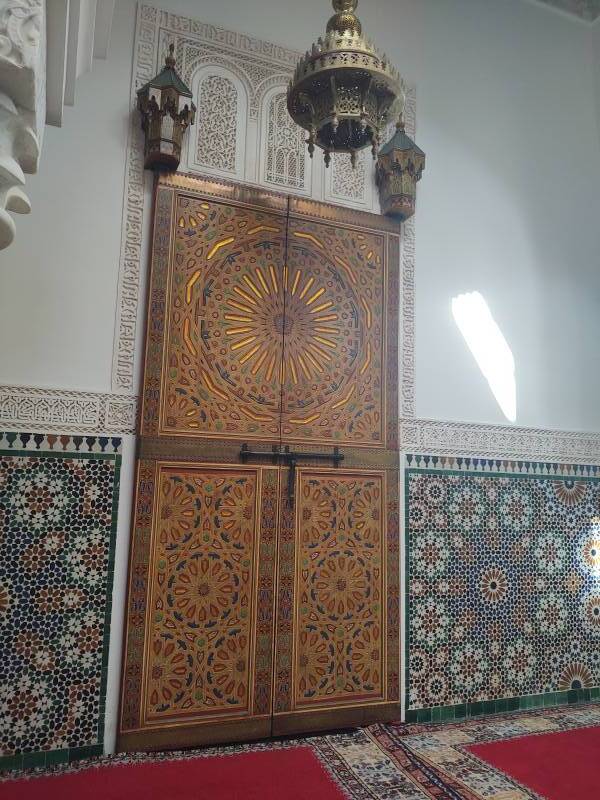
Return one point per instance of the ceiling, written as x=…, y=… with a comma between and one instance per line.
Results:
x=585, y=9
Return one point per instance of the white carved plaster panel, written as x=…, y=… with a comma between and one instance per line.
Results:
x=285, y=157
x=498, y=441
x=50, y=410
x=217, y=142
x=345, y=185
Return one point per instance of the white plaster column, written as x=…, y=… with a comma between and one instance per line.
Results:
x=22, y=104
x=45, y=46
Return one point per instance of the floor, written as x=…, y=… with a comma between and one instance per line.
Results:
x=406, y=762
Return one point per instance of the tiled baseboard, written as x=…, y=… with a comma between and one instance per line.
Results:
x=49, y=758
x=464, y=710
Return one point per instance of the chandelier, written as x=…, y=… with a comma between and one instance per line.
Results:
x=344, y=92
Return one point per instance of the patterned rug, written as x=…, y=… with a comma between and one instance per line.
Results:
x=387, y=762
x=437, y=760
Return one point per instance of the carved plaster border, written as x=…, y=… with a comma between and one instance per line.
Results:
x=425, y=436
x=59, y=410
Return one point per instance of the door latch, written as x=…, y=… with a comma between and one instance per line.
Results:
x=289, y=458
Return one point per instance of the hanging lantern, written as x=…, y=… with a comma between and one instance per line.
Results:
x=400, y=164
x=344, y=92
x=167, y=109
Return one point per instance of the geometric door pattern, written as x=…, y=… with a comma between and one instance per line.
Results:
x=272, y=322
x=222, y=376
x=202, y=592
x=201, y=595
x=334, y=384
x=338, y=561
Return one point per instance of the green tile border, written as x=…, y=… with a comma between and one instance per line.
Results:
x=47, y=758
x=487, y=707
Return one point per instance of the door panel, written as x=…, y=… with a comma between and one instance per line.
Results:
x=340, y=583
x=213, y=364
x=335, y=349
x=198, y=656
x=337, y=630
x=201, y=620
x=337, y=625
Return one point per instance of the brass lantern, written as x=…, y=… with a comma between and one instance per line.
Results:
x=344, y=92
x=167, y=109
x=400, y=165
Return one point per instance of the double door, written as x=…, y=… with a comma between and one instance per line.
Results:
x=264, y=570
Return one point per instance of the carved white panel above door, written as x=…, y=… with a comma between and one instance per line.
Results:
x=243, y=133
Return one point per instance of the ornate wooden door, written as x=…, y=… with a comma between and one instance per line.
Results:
x=337, y=625
x=198, y=654
x=261, y=601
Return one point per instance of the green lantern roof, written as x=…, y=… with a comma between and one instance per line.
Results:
x=400, y=141
x=167, y=78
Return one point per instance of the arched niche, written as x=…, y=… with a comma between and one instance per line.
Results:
x=217, y=141
x=284, y=161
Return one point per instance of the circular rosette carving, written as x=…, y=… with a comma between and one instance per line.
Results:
x=178, y=510
x=340, y=513
x=205, y=590
x=343, y=585
x=366, y=657
x=270, y=319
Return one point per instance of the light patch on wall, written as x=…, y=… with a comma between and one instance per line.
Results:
x=489, y=347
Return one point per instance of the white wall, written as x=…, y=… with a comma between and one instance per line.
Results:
x=507, y=206
x=595, y=46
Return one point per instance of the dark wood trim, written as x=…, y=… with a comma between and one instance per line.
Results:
x=199, y=450
x=232, y=193
x=217, y=731
x=333, y=718
x=303, y=207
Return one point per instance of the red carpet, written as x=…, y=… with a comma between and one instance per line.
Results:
x=292, y=773
x=558, y=766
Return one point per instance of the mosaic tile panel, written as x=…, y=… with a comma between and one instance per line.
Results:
x=58, y=506
x=503, y=581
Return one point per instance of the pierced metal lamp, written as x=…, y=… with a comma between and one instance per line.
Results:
x=167, y=109
x=344, y=92
x=400, y=164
